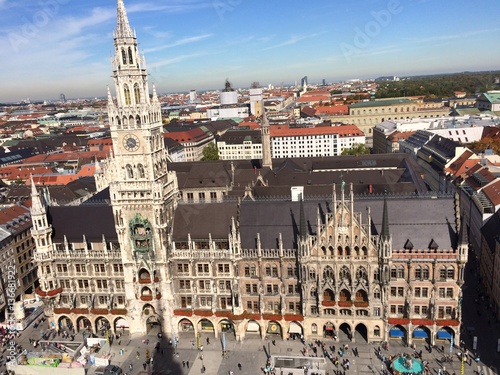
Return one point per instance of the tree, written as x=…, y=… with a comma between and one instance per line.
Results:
x=356, y=149
x=210, y=152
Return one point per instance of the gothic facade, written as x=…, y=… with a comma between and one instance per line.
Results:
x=232, y=260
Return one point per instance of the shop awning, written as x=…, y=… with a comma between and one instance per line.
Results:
x=396, y=332
x=295, y=328
x=444, y=335
x=420, y=334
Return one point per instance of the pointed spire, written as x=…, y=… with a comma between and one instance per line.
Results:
x=36, y=202
x=385, y=235
x=123, y=29
x=110, y=98
x=155, y=95
x=302, y=228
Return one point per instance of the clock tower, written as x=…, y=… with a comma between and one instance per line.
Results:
x=143, y=192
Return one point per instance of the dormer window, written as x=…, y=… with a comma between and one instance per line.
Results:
x=408, y=245
x=433, y=245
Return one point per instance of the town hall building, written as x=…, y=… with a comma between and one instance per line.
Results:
x=320, y=247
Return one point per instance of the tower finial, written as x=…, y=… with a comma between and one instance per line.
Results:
x=123, y=29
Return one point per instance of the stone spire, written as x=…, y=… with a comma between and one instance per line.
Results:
x=302, y=227
x=265, y=131
x=36, y=202
x=123, y=29
x=384, y=234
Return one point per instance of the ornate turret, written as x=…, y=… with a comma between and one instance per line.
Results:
x=266, y=140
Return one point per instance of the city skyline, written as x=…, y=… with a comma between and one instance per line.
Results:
x=57, y=46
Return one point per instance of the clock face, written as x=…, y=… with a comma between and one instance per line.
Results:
x=131, y=142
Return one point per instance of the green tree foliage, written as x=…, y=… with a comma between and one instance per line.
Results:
x=439, y=86
x=210, y=152
x=486, y=143
x=356, y=149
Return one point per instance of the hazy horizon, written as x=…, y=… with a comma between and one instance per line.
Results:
x=59, y=46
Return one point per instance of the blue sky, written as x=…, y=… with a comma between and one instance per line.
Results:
x=48, y=47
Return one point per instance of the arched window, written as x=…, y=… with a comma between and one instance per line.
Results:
x=141, y=170
x=137, y=94
x=361, y=274
x=312, y=274
x=130, y=58
x=418, y=273
x=328, y=273
x=118, y=121
x=124, y=57
x=313, y=292
x=401, y=272
x=138, y=121
x=376, y=294
x=376, y=274
x=345, y=274
x=130, y=172
x=450, y=273
x=126, y=92
x=442, y=273
x=425, y=273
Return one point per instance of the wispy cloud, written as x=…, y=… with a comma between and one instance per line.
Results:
x=180, y=42
x=172, y=60
x=156, y=34
x=463, y=35
x=173, y=7
x=294, y=39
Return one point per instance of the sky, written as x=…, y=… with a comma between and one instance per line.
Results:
x=49, y=47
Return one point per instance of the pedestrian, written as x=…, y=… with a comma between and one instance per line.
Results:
x=183, y=364
x=161, y=351
x=130, y=367
x=442, y=348
x=201, y=348
x=208, y=341
x=239, y=366
x=144, y=365
x=274, y=342
x=187, y=364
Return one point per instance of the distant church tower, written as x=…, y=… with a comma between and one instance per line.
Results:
x=143, y=193
x=265, y=130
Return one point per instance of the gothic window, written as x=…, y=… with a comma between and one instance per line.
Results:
x=345, y=274
x=328, y=295
x=137, y=94
x=126, y=92
x=418, y=273
x=401, y=272
x=130, y=172
x=130, y=58
x=124, y=56
x=328, y=273
x=125, y=122
x=323, y=249
x=131, y=120
x=138, y=121
x=450, y=273
x=312, y=274
x=376, y=294
x=344, y=295
x=361, y=274
x=347, y=251
x=313, y=292
x=339, y=250
x=141, y=170
x=425, y=273
x=365, y=251
x=442, y=273
x=393, y=273
x=376, y=274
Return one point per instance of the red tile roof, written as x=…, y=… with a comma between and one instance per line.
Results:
x=332, y=110
x=493, y=192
